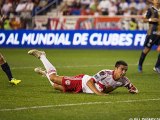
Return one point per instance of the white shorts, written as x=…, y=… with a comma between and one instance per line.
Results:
x=85, y=88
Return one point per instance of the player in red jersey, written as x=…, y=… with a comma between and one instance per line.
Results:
x=6, y=68
x=101, y=83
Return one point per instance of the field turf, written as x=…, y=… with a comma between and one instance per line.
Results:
x=35, y=99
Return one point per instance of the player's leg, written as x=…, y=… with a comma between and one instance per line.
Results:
x=142, y=58
x=149, y=41
x=49, y=67
x=6, y=68
x=58, y=87
x=42, y=56
x=44, y=73
x=157, y=66
x=67, y=83
x=51, y=70
x=2, y=60
x=54, y=78
x=41, y=71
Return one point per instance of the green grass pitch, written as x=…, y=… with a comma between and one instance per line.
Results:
x=35, y=99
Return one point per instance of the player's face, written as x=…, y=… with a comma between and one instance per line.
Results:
x=156, y=2
x=121, y=71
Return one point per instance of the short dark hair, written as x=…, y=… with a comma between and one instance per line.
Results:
x=120, y=62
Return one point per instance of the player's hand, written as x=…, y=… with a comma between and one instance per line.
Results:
x=154, y=20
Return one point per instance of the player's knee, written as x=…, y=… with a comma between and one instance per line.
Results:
x=53, y=77
x=58, y=87
x=55, y=86
x=1, y=59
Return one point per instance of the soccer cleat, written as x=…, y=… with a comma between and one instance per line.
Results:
x=156, y=69
x=36, y=53
x=139, y=68
x=40, y=71
x=15, y=81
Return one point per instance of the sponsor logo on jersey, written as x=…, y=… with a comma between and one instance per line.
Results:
x=102, y=73
x=67, y=82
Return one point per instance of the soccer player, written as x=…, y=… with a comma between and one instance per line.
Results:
x=153, y=35
x=6, y=68
x=101, y=83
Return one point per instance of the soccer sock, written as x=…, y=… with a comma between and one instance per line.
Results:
x=49, y=79
x=158, y=61
x=6, y=69
x=49, y=67
x=142, y=58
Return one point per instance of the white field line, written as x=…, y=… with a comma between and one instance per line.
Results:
x=77, y=104
x=77, y=66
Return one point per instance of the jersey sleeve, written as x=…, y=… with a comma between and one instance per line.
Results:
x=99, y=76
x=126, y=81
x=148, y=13
x=131, y=88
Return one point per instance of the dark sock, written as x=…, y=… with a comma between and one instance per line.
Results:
x=142, y=58
x=6, y=69
x=158, y=61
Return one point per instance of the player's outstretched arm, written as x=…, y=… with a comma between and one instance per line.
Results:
x=153, y=20
x=91, y=85
x=131, y=88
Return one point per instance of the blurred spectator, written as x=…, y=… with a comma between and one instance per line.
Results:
x=36, y=7
x=112, y=11
x=141, y=7
x=133, y=7
x=43, y=3
x=76, y=8
x=29, y=11
x=64, y=8
x=6, y=24
x=36, y=2
x=127, y=12
x=84, y=10
x=10, y=23
x=104, y=6
x=15, y=4
x=133, y=24
x=86, y=2
x=123, y=7
x=15, y=22
x=20, y=9
x=1, y=2
x=6, y=8
x=25, y=8
x=1, y=21
x=69, y=2
x=94, y=7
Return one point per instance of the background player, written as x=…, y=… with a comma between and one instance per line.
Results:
x=5, y=67
x=153, y=35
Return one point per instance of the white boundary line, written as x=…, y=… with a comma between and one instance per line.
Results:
x=76, y=66
x=77, y=104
